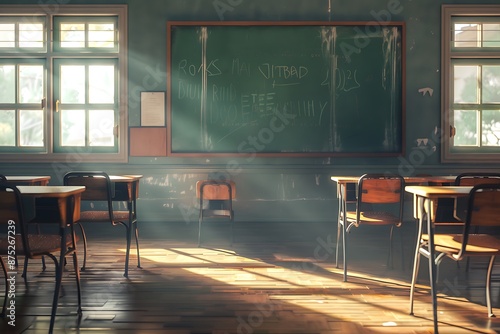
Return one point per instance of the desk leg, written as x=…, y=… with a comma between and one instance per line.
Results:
x=432, y=265
x=136, y=233
x=129, y=236
x=416, y=261
x=339, y=214
x=341, y=228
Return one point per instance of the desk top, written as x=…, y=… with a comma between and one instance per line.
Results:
x=27, y=178
x=125, y=178
x=408, y=179
x=439, y=191
x=50, y=191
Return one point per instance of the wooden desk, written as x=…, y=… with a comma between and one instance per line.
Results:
x=424, y=197
x=66, y=197
x=65, y=204
x=28, y=180
x=126, y=189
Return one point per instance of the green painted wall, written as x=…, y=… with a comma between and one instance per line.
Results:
x=269, y=189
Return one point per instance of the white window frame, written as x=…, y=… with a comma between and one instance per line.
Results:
x=71, y=160
x=447, y=56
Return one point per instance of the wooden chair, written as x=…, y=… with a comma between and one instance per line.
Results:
x=483, y=212
x=32, y=245
x=216, y=201
x=380, y=201
x=97, y=207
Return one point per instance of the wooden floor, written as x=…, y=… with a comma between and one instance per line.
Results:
x=276, y=278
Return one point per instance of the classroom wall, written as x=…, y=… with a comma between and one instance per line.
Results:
x=269, y=189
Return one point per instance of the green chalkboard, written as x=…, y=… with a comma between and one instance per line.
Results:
x=296, y=89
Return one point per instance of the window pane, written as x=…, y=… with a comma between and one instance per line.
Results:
x=101, y=84
x=102, y=35
x=31, y=35
x=72, y=84
x=7, y=35
x=72, y=127
x=72, y=35
x=465, y=122
x=7, y=84
x=466, y=35
x=31, y=127
x=491, y=128
x=30, y=83
x=465, y=84
x=101, y=124
x=491, y=84
x=7, y=128
x=491, y=35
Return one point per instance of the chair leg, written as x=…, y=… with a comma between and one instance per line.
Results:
x=199, y=230
x=127, y=251
x=232, y=231
x=416, y=266
x=43, y=257
x=4, y=307
x=344, y=248
x=25, y=267
x=438, y=261
x=84, y=239
x=55, y=301
x=339, y=231
x=402, y=248
x=488, y=287
x=78, y=288
x=136, y=227
x=390, y=261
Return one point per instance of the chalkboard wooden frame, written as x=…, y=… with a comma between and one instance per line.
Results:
x=395, y=120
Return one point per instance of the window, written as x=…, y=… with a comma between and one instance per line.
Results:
x=471, y=83
x=63, y=83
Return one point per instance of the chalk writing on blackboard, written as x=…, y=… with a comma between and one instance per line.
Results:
x=230, y=82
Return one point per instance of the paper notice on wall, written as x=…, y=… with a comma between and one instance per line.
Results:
x=152, y=108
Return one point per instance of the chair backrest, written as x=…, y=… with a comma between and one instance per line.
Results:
x=3, y=178
x=381, y=192
x=483, y=211
x=472, y=179
x=11, y=215
x=380, y=188
x=98, y=187
x=484, y=205
x=216, y=189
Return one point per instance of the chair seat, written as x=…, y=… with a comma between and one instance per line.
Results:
x=40, y=244
x=217, y=213
x=373, y=218
x=102, y=216
x=478, y=244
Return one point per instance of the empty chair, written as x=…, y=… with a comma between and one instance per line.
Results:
x=33, y=245
x=483, y=213
x=216, y=201
x=379, y=202
x=97, y=207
